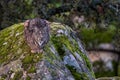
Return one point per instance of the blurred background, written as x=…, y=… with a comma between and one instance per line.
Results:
x=96, y=23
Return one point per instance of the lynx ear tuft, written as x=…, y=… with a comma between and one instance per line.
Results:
x=26, y=23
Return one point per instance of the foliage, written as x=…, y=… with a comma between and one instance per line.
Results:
x=116, y=41
x=14, y=11
x=93, y=37
x=102, y=71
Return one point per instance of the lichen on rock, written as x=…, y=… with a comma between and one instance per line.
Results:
x=63, y=58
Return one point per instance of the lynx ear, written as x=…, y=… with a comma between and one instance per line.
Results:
x=26, y=23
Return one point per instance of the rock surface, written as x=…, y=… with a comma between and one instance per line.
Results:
x=63, y=58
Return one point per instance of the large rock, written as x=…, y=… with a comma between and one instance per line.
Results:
x=63, y=58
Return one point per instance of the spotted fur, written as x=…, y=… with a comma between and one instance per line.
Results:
x=36, y=34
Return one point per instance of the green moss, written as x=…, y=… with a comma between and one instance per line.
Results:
x=2, y=79
x=28, y=59
x=18, y=75
x=25, y=66
x=61, y=41
x=37, y=57
x=88, y=63
x=32, y=58
x=58, y=45
x=76, y=75
x=51, y=57
x=11, y=43
x=104, y=74
x=4, y=76
x=32, y=69
x=28, y=78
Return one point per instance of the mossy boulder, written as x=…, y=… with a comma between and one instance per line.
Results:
x=63, y=58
